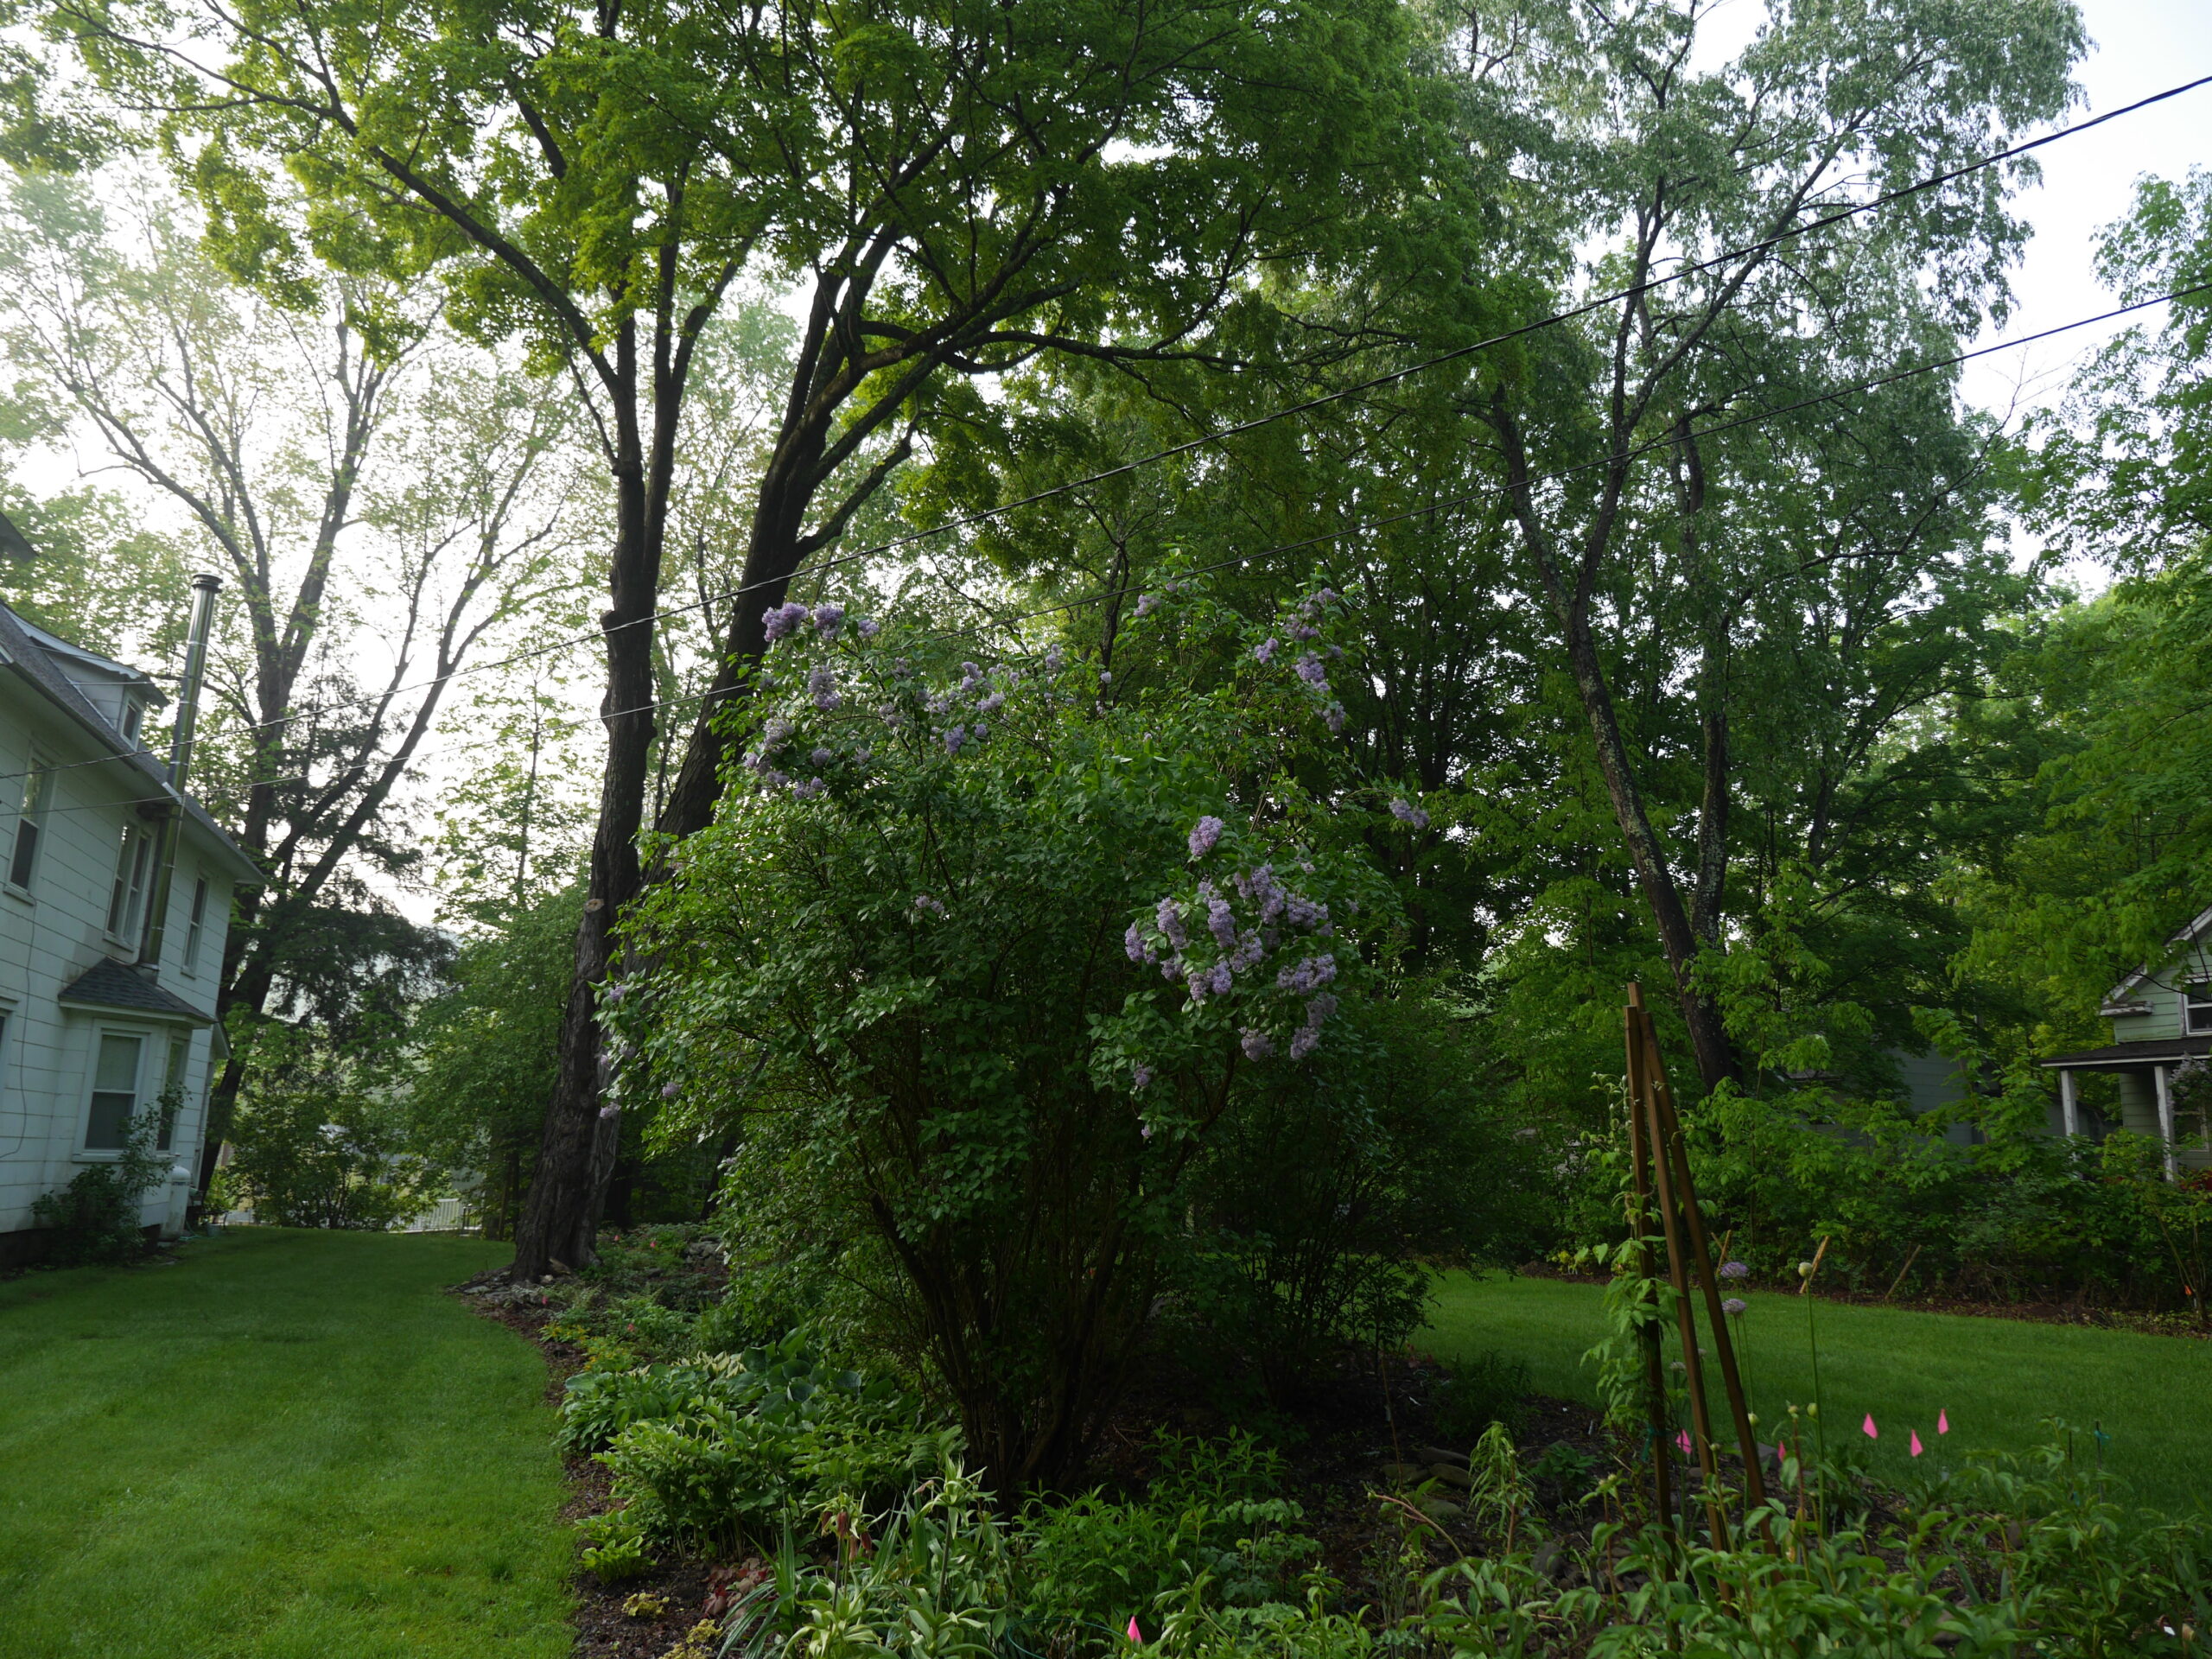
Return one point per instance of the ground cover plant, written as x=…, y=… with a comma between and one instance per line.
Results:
x=1225, y=1546
x=295, y=1440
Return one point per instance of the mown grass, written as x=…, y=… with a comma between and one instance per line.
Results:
x=292, y=1445
x=1997, y=1378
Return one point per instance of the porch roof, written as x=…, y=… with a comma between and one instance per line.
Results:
x=2131, y=1057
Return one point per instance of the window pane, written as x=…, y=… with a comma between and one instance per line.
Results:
x=24, y=855
x=119, y=1065
x=111, y=1115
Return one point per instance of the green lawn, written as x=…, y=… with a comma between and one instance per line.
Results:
x=1997, y=1378
x=292, y=1445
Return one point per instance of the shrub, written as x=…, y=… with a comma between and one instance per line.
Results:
x=976, y=968
x=315, y=1143
x=95, y=1218
x=1472, y=1395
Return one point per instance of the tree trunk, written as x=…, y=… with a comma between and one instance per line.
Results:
x=560, y=1216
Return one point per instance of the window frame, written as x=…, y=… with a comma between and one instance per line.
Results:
x=126, y=905
x=102, y=1035
x=2197, y=1007
x=32, y=806
x=196, y=925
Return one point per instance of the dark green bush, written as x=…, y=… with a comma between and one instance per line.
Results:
x=95, y=1217
x=1471, y=1396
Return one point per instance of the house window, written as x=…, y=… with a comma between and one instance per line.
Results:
x=2197, y=1007
x=30, y=823
x=115, y=1092
x=133, y=714
x=131, y=857
x=172, y=1106
x=195, y=926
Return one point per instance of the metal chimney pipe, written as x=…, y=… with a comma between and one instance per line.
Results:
x=205, y=587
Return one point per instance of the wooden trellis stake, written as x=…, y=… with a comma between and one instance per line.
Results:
x=1687, y=1250
x=1654, y=1368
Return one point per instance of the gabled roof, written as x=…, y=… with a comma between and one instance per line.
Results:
x=117, y=985
x=2192, y=933
x=36, y=655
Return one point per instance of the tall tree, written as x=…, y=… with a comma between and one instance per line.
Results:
x=368, y=490
x=954, y=187
x=1608, y=437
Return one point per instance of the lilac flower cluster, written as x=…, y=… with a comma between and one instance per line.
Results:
x=928, y=907
x=1147, y=603
x=1264, y=652
x=821, y=686
x=781, y=621
x=1209, y=966
x=1734, y=1270
x=1406, y=812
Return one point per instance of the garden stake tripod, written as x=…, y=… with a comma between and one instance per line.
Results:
x=1662, y=1170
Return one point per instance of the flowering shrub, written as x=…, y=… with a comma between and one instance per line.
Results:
x=982, y=964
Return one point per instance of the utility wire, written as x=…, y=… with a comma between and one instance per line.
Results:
x=1553, y=319
x=1425, y=510
x=1918, y=187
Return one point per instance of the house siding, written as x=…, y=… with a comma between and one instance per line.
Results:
x=56, y=931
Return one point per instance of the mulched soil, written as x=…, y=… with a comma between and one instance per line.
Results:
x=2070, y=1312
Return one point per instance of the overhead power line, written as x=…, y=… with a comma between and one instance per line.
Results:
x=1918, y=187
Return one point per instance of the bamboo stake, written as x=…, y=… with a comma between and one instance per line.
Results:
x=1732, y=1377
x=1685, y=1313
x=1654, y=1365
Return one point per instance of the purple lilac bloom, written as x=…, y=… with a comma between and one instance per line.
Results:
x=1251, y=945
x=1302, y=632
x=1308, y=668
x=828, y=619
x=1221, y=979
x=1310, y=974
x=1139, y=949
x=1146, y=1131
x=775, y=779
x=822, y=757
x=1198, y=981
x=1407, y=812
x=1105, y=677
x=1169, y=915
x=1141, y=1075
x=865, y=626
x=970, y=677
x=1304, y=1041
x=1264, y=652
x=979, y=731
x=780, y=620
x=1318, y=1010
x=1054, y=659
x=1333, y=718
x=1256, y=1044
x=1221, y=922
x=821, y=686
x=610, y=1113
x=931, y=907
x=1335, y=653
x=1734, y=1270
x=1147, y=603
x=1204, y=836
x=954, y=739
x=808, y=790
x=1735, y=1307
x=669, y=1091
x=991, y=704
x=1302, y=911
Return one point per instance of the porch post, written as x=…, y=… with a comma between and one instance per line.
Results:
x=2165, y=1118
x=2069, y=1111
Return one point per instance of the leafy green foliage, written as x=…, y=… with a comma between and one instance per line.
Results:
x=95, y=1216
x=1474, y=1393
x=316, y=1143
x=980, y=965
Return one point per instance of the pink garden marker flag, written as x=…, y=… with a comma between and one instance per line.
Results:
x=1873, y=1432
x=1944, y=1422
x=1683, y=1440
x=1915, y=1443
x=1136, y=1635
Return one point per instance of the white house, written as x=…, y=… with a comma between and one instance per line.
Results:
x=107, y=993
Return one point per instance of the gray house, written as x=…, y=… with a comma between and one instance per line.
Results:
x=2161, y=1018
x=115, y=897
